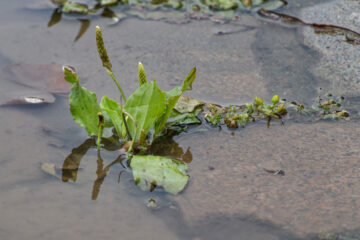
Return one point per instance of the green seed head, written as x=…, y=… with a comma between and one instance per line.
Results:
x=258, y=101
x=275, y=99
x=102, y=50
x=142, y=75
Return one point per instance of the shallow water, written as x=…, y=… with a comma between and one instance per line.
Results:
x=229, y=195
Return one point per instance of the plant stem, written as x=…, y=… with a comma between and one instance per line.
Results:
x=111, y=74
x=128, y=132
x=126, y=126
x=100, y=128
x=100, y=131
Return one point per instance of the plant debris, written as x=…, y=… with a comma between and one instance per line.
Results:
x=275, y=172
x=349, y=35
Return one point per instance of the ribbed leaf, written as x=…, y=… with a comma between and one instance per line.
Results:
x=113, y=109
x=152, y=171
x=84, y=108
x=146, y=105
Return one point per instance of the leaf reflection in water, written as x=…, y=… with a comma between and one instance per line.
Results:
x=164, y=146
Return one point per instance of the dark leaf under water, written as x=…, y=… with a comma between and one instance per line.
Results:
x=49, y=77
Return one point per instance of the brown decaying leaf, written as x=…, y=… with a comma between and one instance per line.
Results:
x=49, y=77
x=350, y=35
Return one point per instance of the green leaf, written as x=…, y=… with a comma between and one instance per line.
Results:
x=146, y=105
x=71, y=7
x=151, y=171
x=84, y=108
x=172, y=98
x=142, y=75
x=187, y=84
x=70, y=74
x=113, y=109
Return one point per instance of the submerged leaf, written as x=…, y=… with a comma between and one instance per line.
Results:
x=49, y=77
x=152, y=171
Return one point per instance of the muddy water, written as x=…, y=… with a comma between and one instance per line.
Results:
x=229, y=195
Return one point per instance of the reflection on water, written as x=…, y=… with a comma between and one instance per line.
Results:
x=164, y=146
x=227, y=170
x=101, y=172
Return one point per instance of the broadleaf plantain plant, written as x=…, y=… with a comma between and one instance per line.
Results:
x=144, y=113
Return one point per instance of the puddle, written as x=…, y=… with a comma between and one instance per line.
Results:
x=230, y=194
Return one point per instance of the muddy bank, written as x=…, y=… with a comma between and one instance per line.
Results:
x=319, y=191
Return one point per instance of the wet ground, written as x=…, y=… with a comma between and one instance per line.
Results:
x=229, y=194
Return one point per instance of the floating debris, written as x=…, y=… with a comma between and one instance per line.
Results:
x=350, y=35
x=29, y=99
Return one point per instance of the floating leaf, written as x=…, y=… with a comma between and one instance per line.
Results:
x=187, y=104
x=49, y=77
x=152, y=171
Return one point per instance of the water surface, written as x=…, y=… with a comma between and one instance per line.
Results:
x=229, y=194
